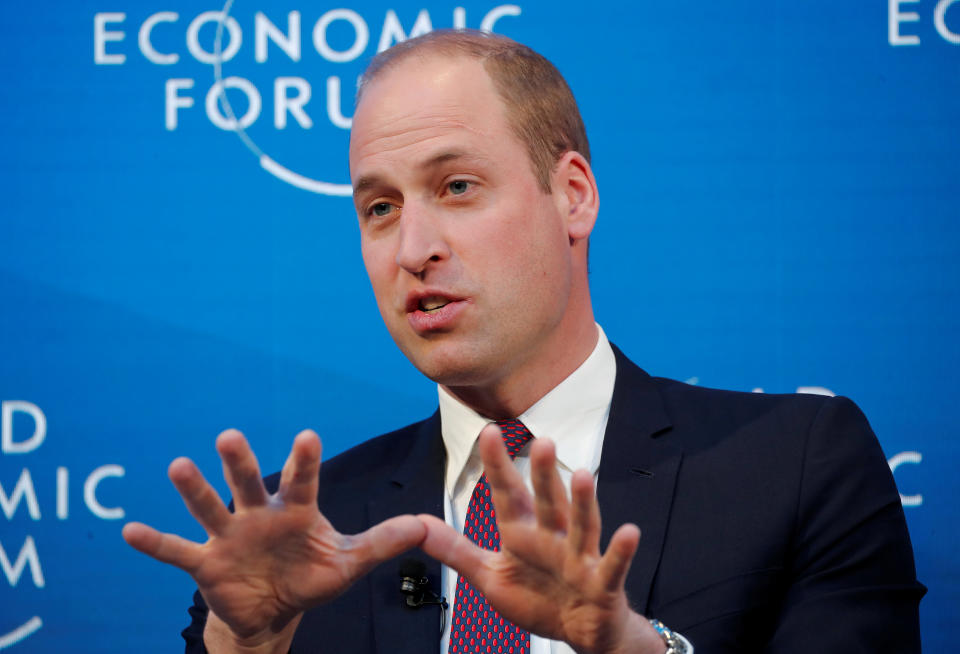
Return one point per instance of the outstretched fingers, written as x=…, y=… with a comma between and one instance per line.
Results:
x=584, y=534
x=510, y=496
x=616, y=560
x=167, y=548
x=201, y=499
x=241, y=470
x=550, y=496
x=300, y=476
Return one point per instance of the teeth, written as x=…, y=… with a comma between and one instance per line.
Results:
x=432, y=303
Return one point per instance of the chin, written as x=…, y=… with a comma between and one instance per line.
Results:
x=450, y=373
x=453, y=365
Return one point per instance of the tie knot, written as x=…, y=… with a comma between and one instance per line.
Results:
x=515, y=435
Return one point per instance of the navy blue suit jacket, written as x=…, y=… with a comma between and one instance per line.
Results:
x=770, y=523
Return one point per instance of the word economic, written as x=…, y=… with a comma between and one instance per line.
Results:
x=24, y=491
x=339, y=36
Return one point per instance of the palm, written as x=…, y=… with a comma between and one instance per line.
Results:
x=271, y=563
x=274, y=556
x=538, y=583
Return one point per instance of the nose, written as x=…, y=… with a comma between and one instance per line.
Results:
x=422, y=241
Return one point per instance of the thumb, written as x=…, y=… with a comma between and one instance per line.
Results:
x=453, y=549
x=384, y=541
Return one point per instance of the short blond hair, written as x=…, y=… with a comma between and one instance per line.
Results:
x=540, y=107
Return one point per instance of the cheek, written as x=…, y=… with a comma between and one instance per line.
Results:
x=377, y=263
x=538, y=243
x=531, y=278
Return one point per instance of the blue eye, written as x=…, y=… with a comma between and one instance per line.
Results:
x=458, y=187
x=381, y=209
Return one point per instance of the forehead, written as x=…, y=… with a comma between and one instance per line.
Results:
x=426, y=102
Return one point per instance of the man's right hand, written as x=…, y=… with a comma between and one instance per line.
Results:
x=276, y=555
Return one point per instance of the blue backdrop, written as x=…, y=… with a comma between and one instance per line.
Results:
x=779, y=188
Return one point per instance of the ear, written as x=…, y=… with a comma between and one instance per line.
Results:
x=575, y=190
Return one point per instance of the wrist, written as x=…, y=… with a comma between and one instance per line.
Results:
x=643, y=637
x=636, y=636
x=674, y=642
x=219, y=638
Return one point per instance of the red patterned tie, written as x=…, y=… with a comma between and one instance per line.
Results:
x=477, y=627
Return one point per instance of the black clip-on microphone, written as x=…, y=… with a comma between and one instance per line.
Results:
x=415, y=586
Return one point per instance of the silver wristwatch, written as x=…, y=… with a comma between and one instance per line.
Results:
x=675, y=644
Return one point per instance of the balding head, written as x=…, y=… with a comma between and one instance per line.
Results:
x=539, y=106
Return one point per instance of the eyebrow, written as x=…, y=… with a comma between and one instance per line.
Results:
x=364, y=184
x=444, y=157
x=437, y=160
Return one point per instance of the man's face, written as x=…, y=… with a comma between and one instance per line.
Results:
x=469, y=259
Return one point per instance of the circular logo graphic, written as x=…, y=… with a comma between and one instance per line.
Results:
x=269, y=164
x=21, y=632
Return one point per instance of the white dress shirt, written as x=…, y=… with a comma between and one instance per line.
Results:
x=573, y=415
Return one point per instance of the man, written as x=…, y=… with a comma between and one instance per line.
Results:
x=770, y=523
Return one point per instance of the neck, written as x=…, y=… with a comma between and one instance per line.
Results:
x=513, y=393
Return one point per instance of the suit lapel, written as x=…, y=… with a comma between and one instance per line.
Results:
x=638, y=471
x=415, y=487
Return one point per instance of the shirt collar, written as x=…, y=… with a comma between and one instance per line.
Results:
x=573, y=414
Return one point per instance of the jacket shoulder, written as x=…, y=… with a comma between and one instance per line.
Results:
x=702, y=410
x=367, y=462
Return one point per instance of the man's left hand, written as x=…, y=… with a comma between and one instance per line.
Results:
x=549, y=576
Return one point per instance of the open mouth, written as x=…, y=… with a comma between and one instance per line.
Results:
x=433, y=311
x=432, y=304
